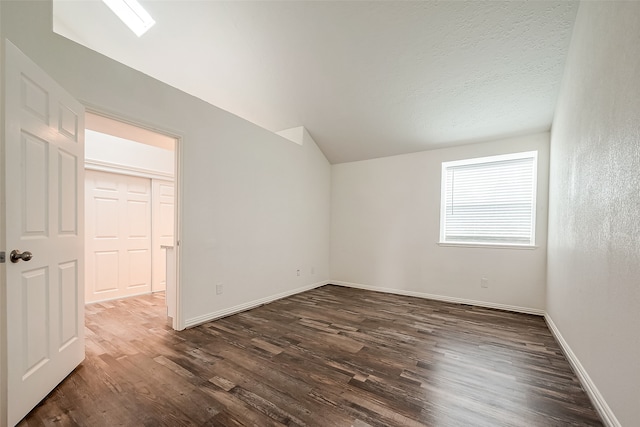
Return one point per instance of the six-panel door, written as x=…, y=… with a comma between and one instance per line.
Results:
x=118, y=235
x=44, y=156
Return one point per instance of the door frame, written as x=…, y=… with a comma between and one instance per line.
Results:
x=3, y=246
x=178, y=320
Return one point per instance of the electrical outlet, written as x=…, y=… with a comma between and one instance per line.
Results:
x=484, y=282
x=297, y=272
x=219, y=289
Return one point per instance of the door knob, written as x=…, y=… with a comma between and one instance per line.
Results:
x=16, y=256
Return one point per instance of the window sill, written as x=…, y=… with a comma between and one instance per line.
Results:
x=487, y=246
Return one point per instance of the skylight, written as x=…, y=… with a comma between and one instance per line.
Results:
x=132, y=14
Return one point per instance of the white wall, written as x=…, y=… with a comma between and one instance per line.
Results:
x=255, y=207
x=385, y=225
x=593, y=293
x=108, y=150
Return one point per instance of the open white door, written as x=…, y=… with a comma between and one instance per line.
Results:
x=44, y=158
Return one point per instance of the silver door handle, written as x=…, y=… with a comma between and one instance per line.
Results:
x=16, y=256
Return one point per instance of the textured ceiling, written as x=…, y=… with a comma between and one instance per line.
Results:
x=367, y=79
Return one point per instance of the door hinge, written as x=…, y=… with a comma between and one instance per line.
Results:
x=2, y=256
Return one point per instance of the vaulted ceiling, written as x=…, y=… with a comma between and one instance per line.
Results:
x=366, y=78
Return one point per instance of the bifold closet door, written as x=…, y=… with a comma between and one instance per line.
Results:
x=118, y=236
x=162, y=229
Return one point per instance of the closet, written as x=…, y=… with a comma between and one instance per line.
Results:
x=129, y=212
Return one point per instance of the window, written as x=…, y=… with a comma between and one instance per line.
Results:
x=489, y=200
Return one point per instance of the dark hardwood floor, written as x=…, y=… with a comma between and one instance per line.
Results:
x=332, y=356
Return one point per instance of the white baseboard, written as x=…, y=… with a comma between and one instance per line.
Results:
x=195, y=321
x=598, y=401
x=514, y=308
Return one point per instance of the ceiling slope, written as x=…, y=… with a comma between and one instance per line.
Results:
x=366, y=79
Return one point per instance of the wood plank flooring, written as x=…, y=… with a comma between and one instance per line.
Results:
x=332, y=356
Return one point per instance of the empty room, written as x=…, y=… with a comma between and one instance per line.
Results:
x=385, y=213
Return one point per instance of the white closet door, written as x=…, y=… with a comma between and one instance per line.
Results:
x=163, y=225
x=118, y=236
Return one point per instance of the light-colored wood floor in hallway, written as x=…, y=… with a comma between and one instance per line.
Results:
x=332, y=356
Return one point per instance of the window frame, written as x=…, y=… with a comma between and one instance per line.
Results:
x=489, y=159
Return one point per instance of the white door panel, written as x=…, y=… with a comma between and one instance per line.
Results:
x=138, y=219
x=105, y=272
x=44, y=149
x=118, y=237
x=163, y=226
x=139, y=278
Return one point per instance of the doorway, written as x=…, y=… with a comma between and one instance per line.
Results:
x=129, y=210
x=43, y=232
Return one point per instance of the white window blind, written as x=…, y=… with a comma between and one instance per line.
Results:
x=489, y=200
